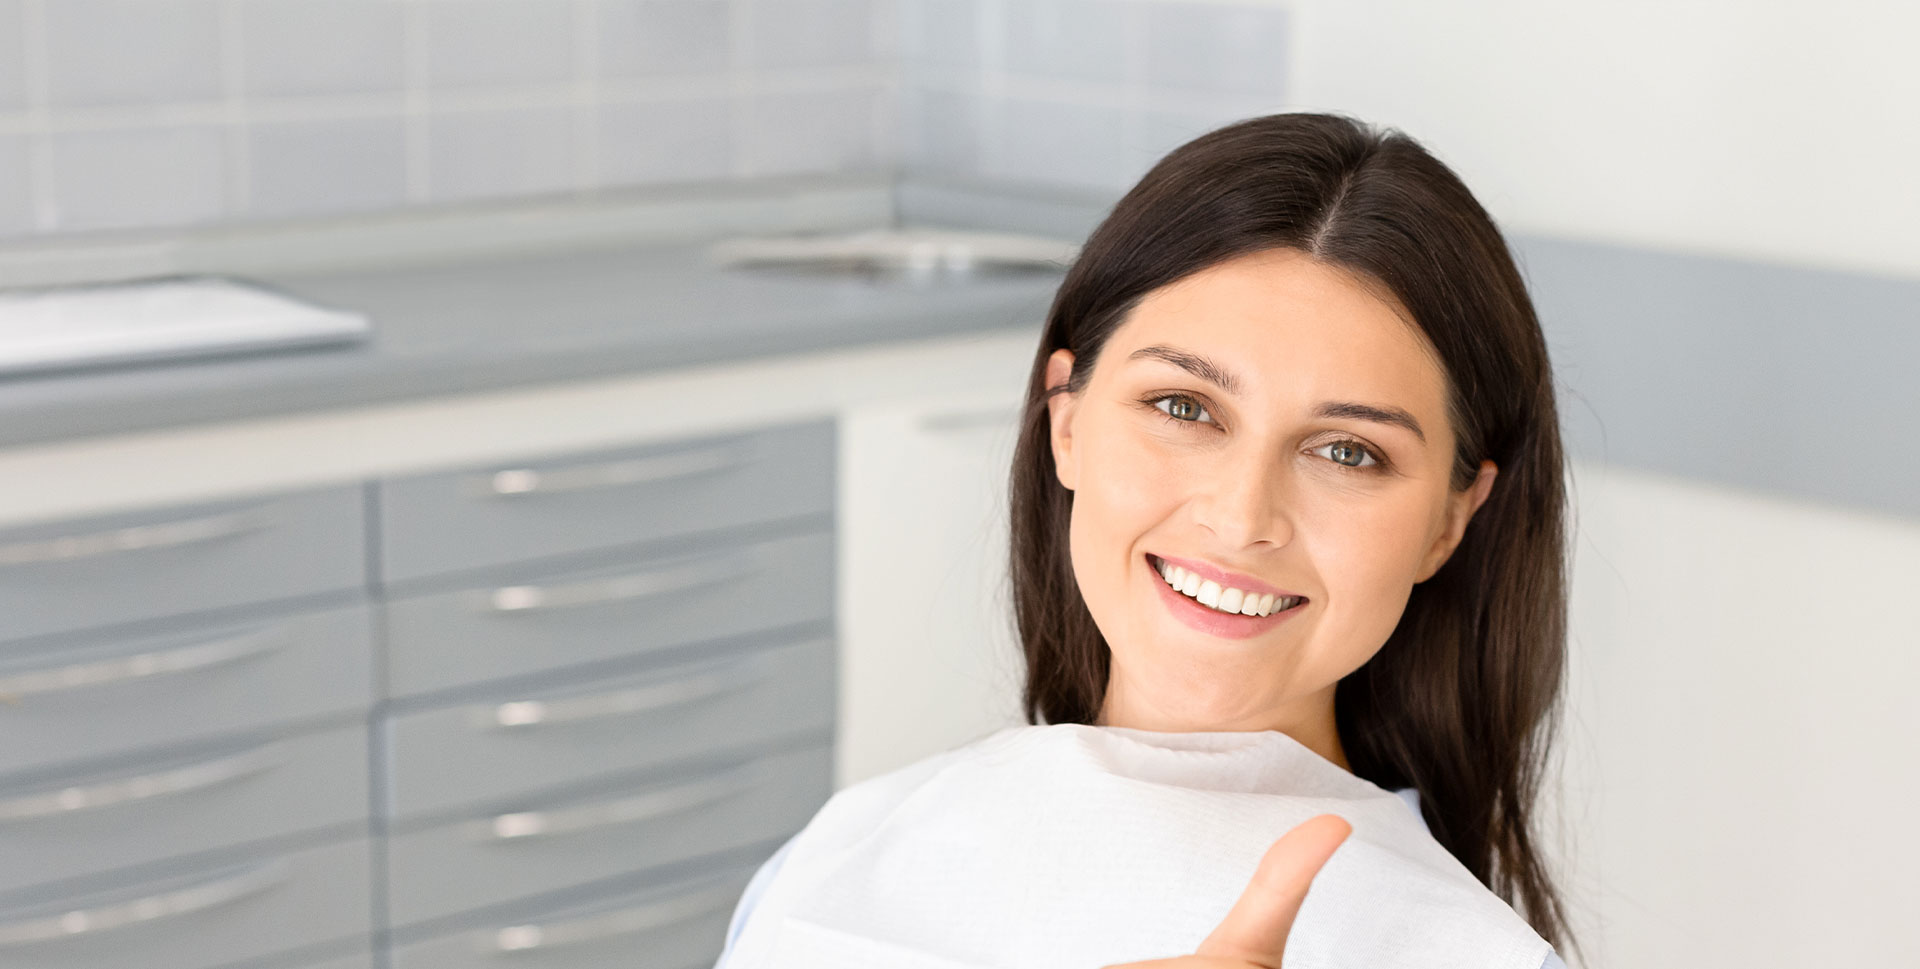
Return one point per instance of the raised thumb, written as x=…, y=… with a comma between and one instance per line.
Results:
x=1256, y=929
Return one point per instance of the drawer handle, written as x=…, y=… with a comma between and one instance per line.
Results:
x=627, y=810
x=512, y=482
x=643, y=918
x=134, y=538
x=185, y=901
x=640, y=585
x=193, y=777
x=183, y=659
x=642, y=699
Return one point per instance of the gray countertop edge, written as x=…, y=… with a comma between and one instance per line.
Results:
x=263, y=386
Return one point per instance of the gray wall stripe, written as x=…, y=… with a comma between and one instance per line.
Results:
x=1795, y=381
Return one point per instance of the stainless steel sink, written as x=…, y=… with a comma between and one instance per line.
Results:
x=917, y=256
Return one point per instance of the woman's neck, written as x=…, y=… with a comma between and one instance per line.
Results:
x=1310, y=722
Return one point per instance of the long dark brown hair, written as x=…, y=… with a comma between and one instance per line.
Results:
x=1463, y=700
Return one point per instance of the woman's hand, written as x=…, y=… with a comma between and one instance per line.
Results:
x=1254, y=933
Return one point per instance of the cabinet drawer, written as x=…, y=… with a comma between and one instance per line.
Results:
x=679, y=925
x=481, y=517
x=544, y=619
x=195, y=800
x=519, y=741
x=208, y=917
x=542, y=847
x=164, y=562
x=69, y=698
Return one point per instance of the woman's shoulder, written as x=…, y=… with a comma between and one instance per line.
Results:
x=859, y=807
x=1411, y=797
x=867, y=801
x=848, y=814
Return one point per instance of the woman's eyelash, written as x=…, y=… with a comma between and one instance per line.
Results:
x=1379, y=463
x=1379, y=460
x=1154, y=402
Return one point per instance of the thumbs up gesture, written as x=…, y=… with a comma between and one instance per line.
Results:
x=1254, y=933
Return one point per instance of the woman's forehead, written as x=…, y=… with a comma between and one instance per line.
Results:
x=1279, y=321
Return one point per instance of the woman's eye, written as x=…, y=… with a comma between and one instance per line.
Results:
x=1182, y=408
x=1348, y=454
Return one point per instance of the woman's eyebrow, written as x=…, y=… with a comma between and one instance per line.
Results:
x=1192, y=363
x=1219, y=376
x=1369, y=412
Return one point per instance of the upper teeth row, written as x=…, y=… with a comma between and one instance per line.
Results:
x=1229, y=599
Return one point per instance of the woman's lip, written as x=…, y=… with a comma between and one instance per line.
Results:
x=1235, y=580
x=1213, y=622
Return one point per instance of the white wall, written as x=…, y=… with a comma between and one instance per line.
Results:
x=1739, y=750
x=1783, y=131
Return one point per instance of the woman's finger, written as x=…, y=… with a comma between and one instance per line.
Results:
x=1255, y=931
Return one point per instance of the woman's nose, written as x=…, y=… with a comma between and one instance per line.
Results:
x=1247, y=500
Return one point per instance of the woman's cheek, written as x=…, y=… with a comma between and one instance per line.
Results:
x=1365, y=555
x=1120, y=488
x=1136, y=477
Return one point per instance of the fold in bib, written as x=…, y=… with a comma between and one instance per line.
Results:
x=1069, y=846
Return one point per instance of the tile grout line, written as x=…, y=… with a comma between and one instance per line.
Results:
x=885, y=48
x=43, y=190
x=239, y=188
x=586, y=110
x=417, y=106
x=743, y=110
x=363, y=106
x=990, y=86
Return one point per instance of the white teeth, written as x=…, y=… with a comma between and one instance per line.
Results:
x=1210, y=593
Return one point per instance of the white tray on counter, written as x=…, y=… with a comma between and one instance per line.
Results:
x=66, y=328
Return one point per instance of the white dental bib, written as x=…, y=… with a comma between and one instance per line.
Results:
x=1074, y=847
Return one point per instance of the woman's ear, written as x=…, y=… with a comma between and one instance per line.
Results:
x=1060, y=407
x=1460, y=510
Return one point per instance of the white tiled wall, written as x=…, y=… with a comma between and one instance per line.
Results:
x=1081, y=93
x=168, y=114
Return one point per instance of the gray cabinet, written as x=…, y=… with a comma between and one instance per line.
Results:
x=602, y=608
x=100, y=572
x=185, y=802
x=550, y=842
x=498, y=746
x=670, y=921
x=441, y=524
x=562, y=706
x=289, y=903
x=77, y=697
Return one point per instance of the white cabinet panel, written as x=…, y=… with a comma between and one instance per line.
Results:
x=929, y=657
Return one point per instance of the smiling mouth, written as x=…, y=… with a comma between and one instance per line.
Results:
x=1221, y=599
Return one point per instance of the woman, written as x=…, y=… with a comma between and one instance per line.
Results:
x=1287, y=535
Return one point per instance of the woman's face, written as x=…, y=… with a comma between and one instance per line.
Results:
x=1273, y=426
